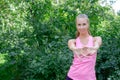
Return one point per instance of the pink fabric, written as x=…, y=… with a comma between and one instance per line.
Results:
x=83, y=68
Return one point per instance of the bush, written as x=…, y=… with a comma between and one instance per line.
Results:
x=34, y=36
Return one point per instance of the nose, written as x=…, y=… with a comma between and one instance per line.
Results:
x=81, y=27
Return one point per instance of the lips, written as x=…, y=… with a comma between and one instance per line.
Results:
x=82, y=30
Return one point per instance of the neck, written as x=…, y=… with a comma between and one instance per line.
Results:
x=84, y=35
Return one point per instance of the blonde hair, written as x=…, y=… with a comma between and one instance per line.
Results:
x=82, y=16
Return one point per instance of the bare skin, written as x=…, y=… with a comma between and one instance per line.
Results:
x=82, y=26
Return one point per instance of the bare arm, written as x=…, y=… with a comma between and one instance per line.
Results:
x=97, y=44
x=71, y=44
x=98, y=41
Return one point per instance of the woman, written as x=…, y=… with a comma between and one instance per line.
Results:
x=84, y=47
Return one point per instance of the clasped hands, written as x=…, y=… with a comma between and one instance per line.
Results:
x=85, y=51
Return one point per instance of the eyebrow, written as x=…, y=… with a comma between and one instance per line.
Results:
x=80, y=23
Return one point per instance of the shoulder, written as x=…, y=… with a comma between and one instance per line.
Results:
x=71, y=41
x=98, y=39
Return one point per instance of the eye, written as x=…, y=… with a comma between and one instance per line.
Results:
x=84, y=24
x=79, y=24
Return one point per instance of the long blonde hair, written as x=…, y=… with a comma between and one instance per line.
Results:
x=82, y=16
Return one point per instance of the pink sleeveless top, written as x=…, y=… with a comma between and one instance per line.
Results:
x=83, y=68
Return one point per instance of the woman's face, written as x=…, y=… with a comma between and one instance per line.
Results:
x=82, y=25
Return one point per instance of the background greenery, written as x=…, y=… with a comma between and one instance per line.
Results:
x=34, y=35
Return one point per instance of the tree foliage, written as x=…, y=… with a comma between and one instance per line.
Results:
x=34, y=35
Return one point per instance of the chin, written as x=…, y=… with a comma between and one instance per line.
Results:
x=83, y=32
